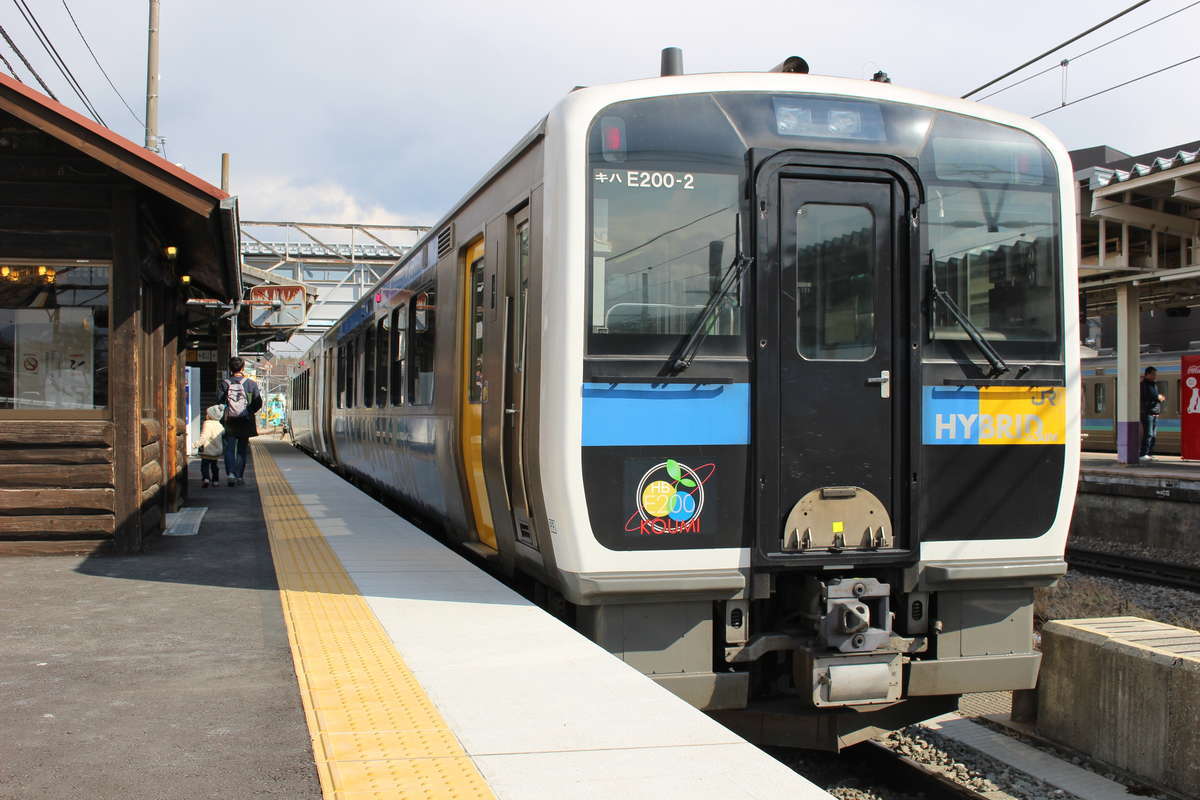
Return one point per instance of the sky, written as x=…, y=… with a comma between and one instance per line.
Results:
x=370, y=111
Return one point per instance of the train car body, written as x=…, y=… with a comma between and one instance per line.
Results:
x=1099, y=401
x=759, y=380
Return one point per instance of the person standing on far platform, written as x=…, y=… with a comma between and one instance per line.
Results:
x=211, y=446
x=242, y=400
x=1152, y=401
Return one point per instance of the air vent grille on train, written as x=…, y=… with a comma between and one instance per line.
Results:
x=445, y=240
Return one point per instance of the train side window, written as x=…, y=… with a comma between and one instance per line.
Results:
x=475, y=358
x=351, y=372
x=399, y=324
x=369, y=366
x=420, y=371
x=341, y=376
x=383, y=342
x=1100, y=398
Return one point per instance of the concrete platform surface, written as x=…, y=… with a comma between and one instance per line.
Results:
x=540, y=710
x=162, y=675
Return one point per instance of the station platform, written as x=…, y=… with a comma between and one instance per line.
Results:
x=422, y=676
x=1150, y=504
x=307, y=642
x=1163, y=478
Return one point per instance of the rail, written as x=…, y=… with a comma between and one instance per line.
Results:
x=912, y=777
x=1134, y=568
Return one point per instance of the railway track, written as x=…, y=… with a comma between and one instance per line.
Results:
x=912, y=777
x=1133, y=568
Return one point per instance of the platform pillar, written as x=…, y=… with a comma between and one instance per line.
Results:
x=1129, y=336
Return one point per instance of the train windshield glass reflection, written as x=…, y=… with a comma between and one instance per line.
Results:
x=992, y=219
x=661, y=240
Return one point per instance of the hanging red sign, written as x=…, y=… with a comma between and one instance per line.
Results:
x=1189, y=406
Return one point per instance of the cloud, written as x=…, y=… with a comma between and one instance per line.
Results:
x=280, y=199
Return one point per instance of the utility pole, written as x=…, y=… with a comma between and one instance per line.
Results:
x=152, y=81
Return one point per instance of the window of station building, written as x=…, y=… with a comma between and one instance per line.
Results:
x=369, y=366
x=424, y=310
x=54, y=325
x=399, y=329
x=383, y=342
x=1099, y=399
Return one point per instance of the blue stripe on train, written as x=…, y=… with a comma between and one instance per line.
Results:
x=630, y=414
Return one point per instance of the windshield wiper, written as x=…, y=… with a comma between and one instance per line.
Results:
x=733, y=274
x=999, y=365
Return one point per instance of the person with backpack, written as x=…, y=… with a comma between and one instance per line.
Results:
x=241, y=398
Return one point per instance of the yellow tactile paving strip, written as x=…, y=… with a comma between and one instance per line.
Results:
x=375, y=733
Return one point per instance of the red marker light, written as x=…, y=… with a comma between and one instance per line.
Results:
x=612, y=138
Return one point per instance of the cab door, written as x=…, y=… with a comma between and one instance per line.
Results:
x=831, y=410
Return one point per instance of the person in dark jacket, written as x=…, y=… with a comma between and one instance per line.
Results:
x=241, y=398
x=1151, y=407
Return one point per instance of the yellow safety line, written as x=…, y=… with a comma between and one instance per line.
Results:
x=375, y=733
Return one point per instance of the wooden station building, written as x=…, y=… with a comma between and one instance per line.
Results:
x=102, y=245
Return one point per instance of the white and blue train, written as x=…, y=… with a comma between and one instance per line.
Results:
x=766, y=382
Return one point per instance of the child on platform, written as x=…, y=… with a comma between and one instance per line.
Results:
x=211, y=446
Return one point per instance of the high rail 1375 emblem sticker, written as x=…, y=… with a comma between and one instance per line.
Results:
x=670, y=499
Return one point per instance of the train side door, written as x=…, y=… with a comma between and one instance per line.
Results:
x=473, y=390
x=831, y=407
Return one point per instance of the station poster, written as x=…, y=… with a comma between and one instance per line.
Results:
x=1189, y=406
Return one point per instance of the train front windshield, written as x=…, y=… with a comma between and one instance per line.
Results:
x=667, y=173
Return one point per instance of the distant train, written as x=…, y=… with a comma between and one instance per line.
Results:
x=761, y=381
x=1100, y=401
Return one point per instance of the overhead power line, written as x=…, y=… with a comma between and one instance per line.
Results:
x=105, y=74
x=1089, y=52
x=57, y=58
x=25, y=61
x=1118, y=86
x=1076, y=38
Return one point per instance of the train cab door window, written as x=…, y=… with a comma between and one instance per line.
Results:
x=369, y=366
x=399, y=325
x=1099, y=399
x=383, y=342
x=835, y=282
x=420, y=369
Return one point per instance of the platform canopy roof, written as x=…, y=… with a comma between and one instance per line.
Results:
x=200, y=219
x=1148, y=210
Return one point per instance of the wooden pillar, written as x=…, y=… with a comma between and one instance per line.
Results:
x=124, y=372
x=171, y=424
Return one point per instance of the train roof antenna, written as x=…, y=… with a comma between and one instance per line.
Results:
x=672, y=61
